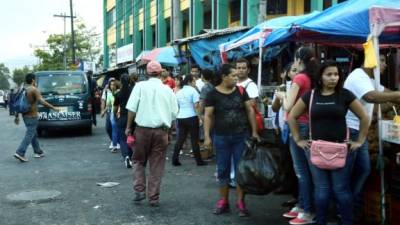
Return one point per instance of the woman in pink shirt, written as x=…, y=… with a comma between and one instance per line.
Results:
x=305, y=62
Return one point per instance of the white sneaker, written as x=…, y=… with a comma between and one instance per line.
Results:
x=303, y=218
x=111, y=146
x=293, y=213
x=118, y=147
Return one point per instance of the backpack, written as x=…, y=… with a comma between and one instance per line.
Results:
x=259, y=117
x=19, y=102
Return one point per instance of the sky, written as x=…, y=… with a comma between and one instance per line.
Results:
x=26, y=24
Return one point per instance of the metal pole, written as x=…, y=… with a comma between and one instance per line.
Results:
x=380, y=157
x=72, y=32
x=260, y=49
x=65, y=43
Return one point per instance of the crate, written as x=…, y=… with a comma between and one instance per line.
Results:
x=390, y=131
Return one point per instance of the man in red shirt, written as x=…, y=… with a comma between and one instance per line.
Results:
x=167, y=80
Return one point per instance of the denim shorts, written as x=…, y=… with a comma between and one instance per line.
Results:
x=227, y=147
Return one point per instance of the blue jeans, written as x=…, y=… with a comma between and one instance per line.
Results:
x=302, y=171
x=125, y=149
x=31, y=124
x=338, y=182
x=361, y=170
x=226, y=147
x=114, y=130
x=108, y=126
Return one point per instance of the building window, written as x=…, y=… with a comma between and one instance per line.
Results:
x=275, y=7
x=153, y=31
x=168, y=30
x=235, y=11
x=207, y=20
x=112, y=17
x=327, y=4
x=307, y=6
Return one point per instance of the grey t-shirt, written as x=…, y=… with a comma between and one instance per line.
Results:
x=207, y=88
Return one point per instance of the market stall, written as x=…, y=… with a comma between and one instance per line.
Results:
x=373, y=22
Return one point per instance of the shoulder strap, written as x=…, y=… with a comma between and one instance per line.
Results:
x=309, y=118
x=245, y=87
x=309, y=112
x=241, y=89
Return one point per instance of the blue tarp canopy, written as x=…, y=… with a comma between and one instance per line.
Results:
x=206, y=51
x=348, y=21
x=248, y=43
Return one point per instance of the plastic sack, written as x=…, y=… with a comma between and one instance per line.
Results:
x=259, y=171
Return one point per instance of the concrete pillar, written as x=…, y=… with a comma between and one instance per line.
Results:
x=105, y=38
x=196, y=16
x=148, y=30
x=137, y=37
x=317, y=5
x=161, y=25
x=220, y=11
x=176, y=20
x=253, y=11
x=119, y=12
x=128, y=13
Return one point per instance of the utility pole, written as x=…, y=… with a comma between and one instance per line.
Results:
x=64, y=16
x=72, y=32
x=263, y=11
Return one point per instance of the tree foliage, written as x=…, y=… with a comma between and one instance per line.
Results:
x=19, y=75
x=87, y=48
x=4, y=73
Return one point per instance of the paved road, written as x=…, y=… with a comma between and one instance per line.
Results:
x=74, y=164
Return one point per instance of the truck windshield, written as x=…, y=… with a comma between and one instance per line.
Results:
x=61, y=84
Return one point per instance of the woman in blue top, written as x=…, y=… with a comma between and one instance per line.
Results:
x=188, y=120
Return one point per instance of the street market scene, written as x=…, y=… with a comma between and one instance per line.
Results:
x=140, y=112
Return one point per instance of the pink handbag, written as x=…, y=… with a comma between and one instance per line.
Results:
x=325, y=154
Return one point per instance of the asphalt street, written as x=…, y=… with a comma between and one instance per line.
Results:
x=74, y=163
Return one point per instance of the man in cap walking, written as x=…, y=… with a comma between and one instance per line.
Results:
x=153, y=106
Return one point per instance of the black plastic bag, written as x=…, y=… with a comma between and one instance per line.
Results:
x=259, y=171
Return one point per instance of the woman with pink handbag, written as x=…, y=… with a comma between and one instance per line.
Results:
x=329, y=158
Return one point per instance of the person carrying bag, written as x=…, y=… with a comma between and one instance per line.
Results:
x=326, y=154
x=330, y=160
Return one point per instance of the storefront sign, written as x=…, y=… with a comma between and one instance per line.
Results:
x=125, y=54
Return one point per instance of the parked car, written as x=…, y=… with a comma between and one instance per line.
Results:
x=69, y=92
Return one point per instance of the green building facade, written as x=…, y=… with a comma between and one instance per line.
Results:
x=132, y=26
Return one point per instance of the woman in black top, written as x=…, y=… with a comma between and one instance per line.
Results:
x=229, y=113
x=329, y=107
x=120, y=101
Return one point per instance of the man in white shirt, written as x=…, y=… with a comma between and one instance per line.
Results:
x=243, y=69
x=195, y=72
x=153, y=106
x=361, y=82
